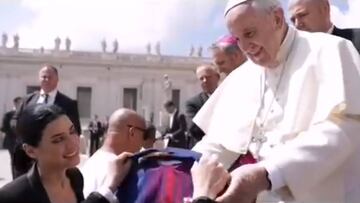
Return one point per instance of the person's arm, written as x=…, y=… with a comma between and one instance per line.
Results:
x=182, y=127
x=118, y=169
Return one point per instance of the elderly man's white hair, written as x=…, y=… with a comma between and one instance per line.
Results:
x=267, y=5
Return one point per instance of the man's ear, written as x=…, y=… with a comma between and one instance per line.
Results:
x=326, y=7
x=30, y=151
x=278, y=18
x=131, y=132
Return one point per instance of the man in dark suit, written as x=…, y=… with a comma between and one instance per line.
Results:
x=209, y=78
x=48, y=94
x=96, y=132
x=177, y=127
x=314, y=16
x=9, y=131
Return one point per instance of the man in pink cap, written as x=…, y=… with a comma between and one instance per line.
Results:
x=226, y=54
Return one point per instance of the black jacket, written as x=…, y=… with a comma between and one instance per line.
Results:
x=178, y=130
x=192, y=106
x=29, y=188
x=350, y=34
x=10, y=139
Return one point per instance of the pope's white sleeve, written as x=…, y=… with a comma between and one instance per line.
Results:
x=275, y=176
x=313, y=155
x=208, y=147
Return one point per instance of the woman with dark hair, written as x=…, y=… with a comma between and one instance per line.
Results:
x=50, y=139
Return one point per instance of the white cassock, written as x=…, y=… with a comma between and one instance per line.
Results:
x=308, y=108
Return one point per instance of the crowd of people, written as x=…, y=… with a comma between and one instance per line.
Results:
x=276, y=121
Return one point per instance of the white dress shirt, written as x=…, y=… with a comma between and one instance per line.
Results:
x=51, y=97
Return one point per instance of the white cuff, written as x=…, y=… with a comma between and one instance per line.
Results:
x=275, y=177
x=108, y=194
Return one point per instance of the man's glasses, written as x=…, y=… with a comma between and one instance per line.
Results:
x=141, y=129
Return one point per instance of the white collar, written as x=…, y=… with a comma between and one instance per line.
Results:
x=51, y=94
x=331, y=29
x=173, y=113
x=284, y=51
x=286, y=45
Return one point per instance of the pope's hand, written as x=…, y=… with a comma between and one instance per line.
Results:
x=209, y=177
x=246, y=183
x=117, y=171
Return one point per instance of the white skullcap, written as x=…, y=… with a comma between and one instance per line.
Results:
x=231, y=4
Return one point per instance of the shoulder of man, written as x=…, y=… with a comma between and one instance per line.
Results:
x=318, y=41
x=9, y=114
x=64, y=97
x=27, y=98
x=195, y=99
x=344, y=33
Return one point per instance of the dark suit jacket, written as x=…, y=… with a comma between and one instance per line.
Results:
x=178, y=130
x=350, y=34
x=10, y=139
x=29, y=189
x=67, y=104
x=192, y=106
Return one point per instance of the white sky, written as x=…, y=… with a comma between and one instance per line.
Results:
x=134, y=23
x=350, y=18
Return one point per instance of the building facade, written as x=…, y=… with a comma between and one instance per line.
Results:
x=102, y=82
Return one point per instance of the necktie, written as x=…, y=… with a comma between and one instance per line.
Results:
x=46, y=98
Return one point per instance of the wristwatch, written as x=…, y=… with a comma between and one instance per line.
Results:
x=203, y=199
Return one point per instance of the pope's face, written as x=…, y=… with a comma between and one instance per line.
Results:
x=258, y=32
x=310, y=16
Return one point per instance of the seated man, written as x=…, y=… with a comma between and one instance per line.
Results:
x=125, y=134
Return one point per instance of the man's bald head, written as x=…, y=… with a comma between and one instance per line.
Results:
x=126, y=131
x=123, y=117
x=310, y=15
x=208, y=76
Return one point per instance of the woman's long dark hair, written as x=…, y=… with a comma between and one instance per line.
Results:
x=33, y=120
